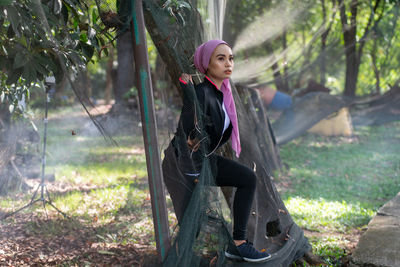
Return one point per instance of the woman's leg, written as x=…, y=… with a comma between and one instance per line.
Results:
x=232, y=173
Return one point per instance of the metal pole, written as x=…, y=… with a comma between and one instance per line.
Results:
x=50, y=81
x=149, y=128
x=45, y=121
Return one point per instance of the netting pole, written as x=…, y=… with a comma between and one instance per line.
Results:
x=149, y=128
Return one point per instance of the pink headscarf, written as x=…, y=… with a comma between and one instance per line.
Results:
x=202, y=58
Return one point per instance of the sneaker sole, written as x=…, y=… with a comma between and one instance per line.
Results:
x=232, y=256
x=257, y=260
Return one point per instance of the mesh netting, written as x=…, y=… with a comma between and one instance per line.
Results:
x=267, y=57
x=203, y=211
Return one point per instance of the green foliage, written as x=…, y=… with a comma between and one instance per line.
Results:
x=44, y=38
x=295, y=44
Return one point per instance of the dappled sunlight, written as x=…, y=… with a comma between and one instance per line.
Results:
x=333, y=216
x=363, y=169
x=331, y=247
x=143, y=230
x=101, y=203
x=100, y=173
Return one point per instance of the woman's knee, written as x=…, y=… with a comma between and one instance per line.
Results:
x=248, y=180
x=252, y=180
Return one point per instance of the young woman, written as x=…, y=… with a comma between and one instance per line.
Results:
x=214, y=59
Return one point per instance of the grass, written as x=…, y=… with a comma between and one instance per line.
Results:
x=106, y=185
x=333, y=186
x=363, y=169
x=319, y=215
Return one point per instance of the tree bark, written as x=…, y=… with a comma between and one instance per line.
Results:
x=285, y=65
x=349, y=36
x=323, y=46
x=8, y=141
x=109, y=79
x=324, y=37
x=259, y=149
x=125, y=70
x=375, y=67
x=280, y=83
x=352, y=52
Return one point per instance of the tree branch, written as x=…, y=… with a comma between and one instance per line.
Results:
x=367, y=29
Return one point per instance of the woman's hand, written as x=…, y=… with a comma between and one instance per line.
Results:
x=193, y=144
x=186, y=78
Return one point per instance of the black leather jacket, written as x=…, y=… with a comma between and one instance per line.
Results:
x=202, y=123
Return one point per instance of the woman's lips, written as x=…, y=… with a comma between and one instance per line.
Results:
x=228, y=71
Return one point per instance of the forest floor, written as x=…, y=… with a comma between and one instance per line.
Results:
x=332, y=186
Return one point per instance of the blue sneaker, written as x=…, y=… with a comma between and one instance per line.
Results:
x=247, y=252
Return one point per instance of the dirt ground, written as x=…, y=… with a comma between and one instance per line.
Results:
x=31, y=245
x=48, y=239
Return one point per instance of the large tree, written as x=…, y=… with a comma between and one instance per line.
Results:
x=176, y=43
x=354, y=46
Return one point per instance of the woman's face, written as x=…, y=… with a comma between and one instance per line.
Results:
x=221, y=64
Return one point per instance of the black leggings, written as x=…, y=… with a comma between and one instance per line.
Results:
x=232, y=173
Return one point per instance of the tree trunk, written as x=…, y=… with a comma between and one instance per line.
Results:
x=125, y=70
x=375, y=67
x=285, y=66
x=350, y=43
x=8, y=141
x=354, y=54
x=279, y=80
x=88, y=84
x=259, y=149
x=323, y=46
x=324, y=37
x=61, y=87
x=109, y=80
x=351, y=71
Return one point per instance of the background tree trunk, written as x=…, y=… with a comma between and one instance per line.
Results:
x=375, y=67
x=124, y=79
x=8, y=142
x=285, y=65
x=352, y=51
x=109, y=80
x=350, y=43
x=280, y=83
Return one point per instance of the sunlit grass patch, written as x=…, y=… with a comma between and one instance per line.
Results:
x=10, y=204
x=329, y=248
x=322, y=215
x=101, y=173
x=102, y=205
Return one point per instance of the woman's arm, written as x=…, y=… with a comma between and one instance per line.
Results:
x=190, y=112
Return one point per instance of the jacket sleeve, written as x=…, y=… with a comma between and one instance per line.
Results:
x=190, y=127
x=191, y=110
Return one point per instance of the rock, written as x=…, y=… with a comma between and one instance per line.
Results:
x=380, y=245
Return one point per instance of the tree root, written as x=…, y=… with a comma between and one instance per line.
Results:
x=309, y=259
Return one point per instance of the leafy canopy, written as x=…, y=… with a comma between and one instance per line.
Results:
x=45, y=38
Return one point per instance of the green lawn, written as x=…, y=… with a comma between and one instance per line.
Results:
x=337, y=184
